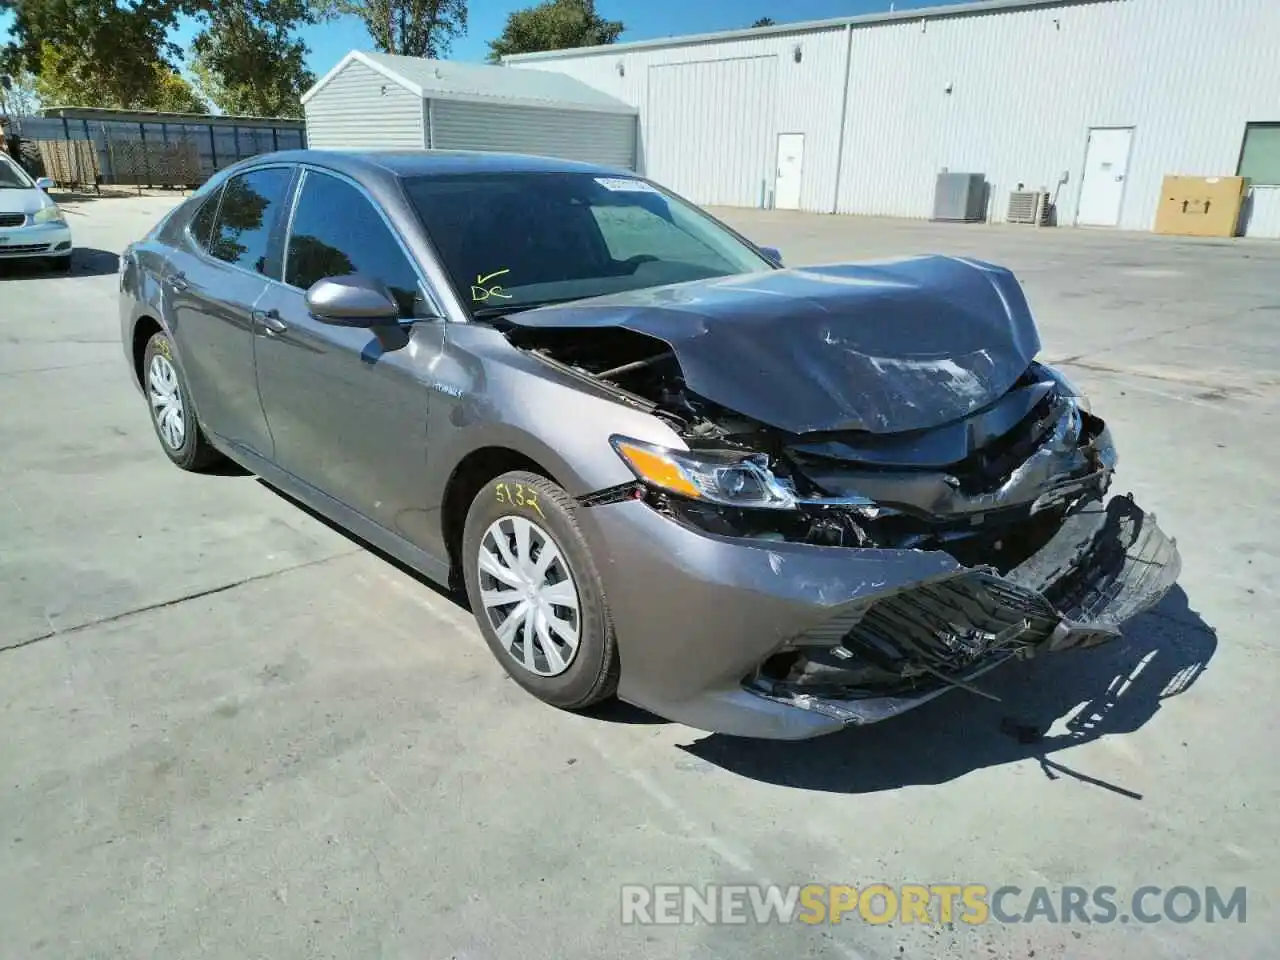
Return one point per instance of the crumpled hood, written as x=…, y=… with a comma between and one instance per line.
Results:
x=884, y=347
x=23, y=201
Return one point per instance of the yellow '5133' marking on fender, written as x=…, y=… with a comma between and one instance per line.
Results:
x=162, y=346
x=519, y=496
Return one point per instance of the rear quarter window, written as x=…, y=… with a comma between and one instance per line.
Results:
x=203, y=218
x=196, y=214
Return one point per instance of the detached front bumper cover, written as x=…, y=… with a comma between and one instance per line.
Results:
x=1105, y=565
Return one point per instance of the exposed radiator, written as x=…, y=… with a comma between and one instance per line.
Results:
x=1028, y=206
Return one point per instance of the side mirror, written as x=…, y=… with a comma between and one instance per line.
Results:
x=773, y=253
x=353, y=301
x=46, y=184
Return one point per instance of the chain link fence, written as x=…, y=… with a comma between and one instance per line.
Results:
x=179, y=152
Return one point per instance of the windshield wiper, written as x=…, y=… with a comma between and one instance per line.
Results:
x=483, y=313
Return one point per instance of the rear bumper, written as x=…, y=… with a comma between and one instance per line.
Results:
x=696, y=615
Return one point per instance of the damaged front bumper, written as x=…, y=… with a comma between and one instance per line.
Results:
x=789, y=640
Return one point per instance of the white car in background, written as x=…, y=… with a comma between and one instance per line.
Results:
x=32, y=226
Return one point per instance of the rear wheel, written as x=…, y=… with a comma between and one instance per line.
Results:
x=171, y=412
x=536, y=593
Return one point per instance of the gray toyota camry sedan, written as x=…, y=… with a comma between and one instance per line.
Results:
x=761, y=500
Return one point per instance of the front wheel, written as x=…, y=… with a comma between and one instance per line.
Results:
x=171, y=412
x=536, y=593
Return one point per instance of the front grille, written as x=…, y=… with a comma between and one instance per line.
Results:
x=951, y=624
x=24, y=248
x=12, y=219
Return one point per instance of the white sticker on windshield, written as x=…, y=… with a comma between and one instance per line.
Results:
x=625, y=185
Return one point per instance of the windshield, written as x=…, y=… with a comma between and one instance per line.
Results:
x=12, y=176
x=513, y=240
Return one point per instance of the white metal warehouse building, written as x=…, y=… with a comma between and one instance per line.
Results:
x=859, y=115
x=381, y=100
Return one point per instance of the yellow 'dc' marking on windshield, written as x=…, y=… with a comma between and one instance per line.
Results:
x=481, y=293
x=520, y=496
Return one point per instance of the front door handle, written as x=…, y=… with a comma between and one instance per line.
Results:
x=179, y=281
x=270, y=321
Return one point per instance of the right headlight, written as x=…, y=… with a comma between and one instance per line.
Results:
x=730, y=479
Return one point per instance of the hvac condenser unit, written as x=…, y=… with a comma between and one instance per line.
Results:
x=960, y=196
x=1028, y=206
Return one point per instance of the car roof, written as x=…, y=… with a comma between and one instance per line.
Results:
x=417, y=163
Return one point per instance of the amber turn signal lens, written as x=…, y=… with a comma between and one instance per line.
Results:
x=654, y=468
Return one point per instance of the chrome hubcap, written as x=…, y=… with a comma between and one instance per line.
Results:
x=529, y=595
x=166, y=401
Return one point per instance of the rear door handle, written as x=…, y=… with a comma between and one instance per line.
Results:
x=270, y=320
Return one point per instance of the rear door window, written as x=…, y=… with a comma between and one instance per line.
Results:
x=337, y=233
x=247, y=218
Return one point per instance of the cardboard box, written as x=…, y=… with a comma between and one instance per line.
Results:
x=1200, y=206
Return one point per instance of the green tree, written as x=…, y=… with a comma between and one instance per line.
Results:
x=66, y=80
x=764, y=22
x=108, y=49
x=411, y=28
x=173, y=94
x=118, y=53
x=247, y=61
x=553, y=25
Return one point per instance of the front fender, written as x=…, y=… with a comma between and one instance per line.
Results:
x=486, y=393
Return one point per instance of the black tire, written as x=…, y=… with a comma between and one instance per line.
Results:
x=592, y=674
x=195, y=453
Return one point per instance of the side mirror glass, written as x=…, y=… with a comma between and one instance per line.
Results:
x=773, y=253
x=45, y=183
x=353, y=301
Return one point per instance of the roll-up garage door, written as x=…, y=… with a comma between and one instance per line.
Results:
x=709, y=128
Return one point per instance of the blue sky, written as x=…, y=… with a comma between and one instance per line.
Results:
x=644, y=19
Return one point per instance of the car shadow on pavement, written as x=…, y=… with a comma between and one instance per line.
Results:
x=456, y=597
x=87, y=262
x=609, y=711
x=1082, y=695
x=95, y=263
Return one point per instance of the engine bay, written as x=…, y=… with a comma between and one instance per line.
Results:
x=989, y=489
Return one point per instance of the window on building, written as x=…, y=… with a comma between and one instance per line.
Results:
x=1260, y=158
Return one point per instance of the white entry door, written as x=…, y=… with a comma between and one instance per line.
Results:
x=786, y=186
x=1106, y=165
